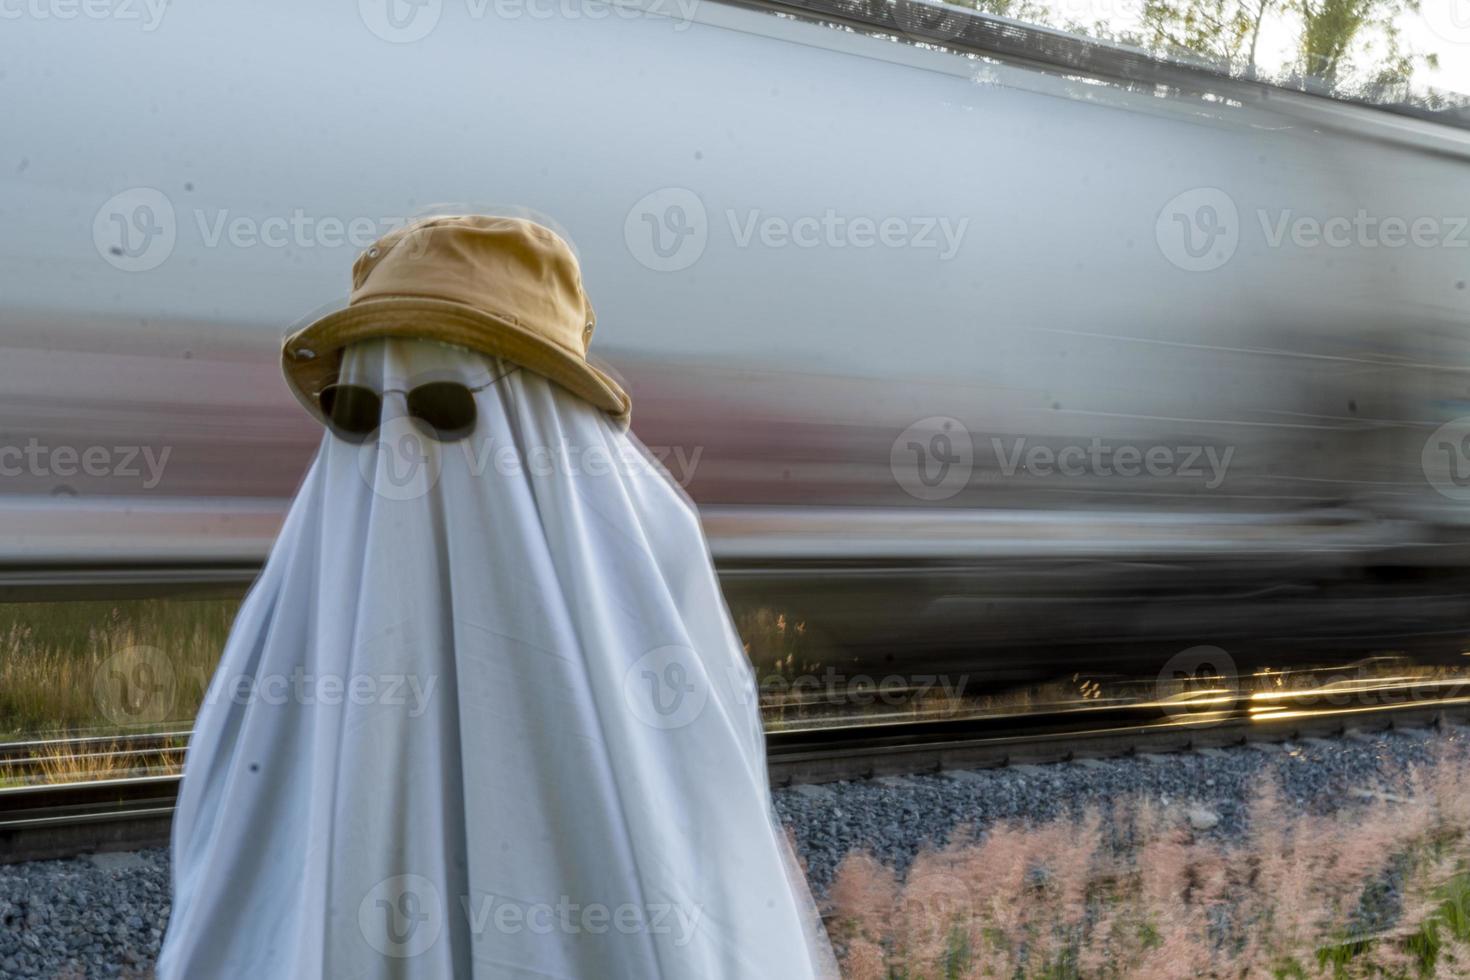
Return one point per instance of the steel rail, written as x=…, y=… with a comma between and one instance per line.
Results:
x=37, y=751
x=65, y=819
x=60, y=820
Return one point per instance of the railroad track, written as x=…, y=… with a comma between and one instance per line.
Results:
x=825, y=755
x=63, y=819
x=134, y=810
x=118, y=752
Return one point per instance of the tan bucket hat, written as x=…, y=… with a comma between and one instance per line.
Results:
x=504, y=286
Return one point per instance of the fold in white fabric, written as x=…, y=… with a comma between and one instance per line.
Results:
x=484, y=715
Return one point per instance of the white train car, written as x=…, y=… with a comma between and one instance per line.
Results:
x=959, y=351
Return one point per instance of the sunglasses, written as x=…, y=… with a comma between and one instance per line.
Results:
x=445, y=408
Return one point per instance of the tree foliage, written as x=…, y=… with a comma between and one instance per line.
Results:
x=1225, y=33
x=1343, y=47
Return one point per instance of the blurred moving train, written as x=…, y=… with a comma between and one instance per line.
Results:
x=966, y=357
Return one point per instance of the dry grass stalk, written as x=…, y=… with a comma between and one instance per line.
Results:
x=1139, y=894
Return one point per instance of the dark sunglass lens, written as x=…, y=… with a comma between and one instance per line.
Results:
x=446, y=407
x=352, y=411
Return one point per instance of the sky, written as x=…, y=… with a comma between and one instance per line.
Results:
x=1454, y=55
x=1440, y=26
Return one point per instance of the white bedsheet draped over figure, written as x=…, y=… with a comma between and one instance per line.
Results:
x=484, y=715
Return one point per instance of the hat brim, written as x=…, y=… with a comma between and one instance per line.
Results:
x=311, y=358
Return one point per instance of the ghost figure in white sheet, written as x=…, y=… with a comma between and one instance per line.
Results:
x=484, y=715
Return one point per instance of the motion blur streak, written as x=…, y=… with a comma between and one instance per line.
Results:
x=966, y=362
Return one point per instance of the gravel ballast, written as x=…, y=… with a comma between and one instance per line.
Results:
x=893, y=819
x=104, y=915
x=97, y=916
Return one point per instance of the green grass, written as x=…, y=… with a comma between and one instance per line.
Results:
x=116, y=665
x=128, y=665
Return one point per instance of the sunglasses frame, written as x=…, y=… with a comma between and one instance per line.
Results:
x=358, y=437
